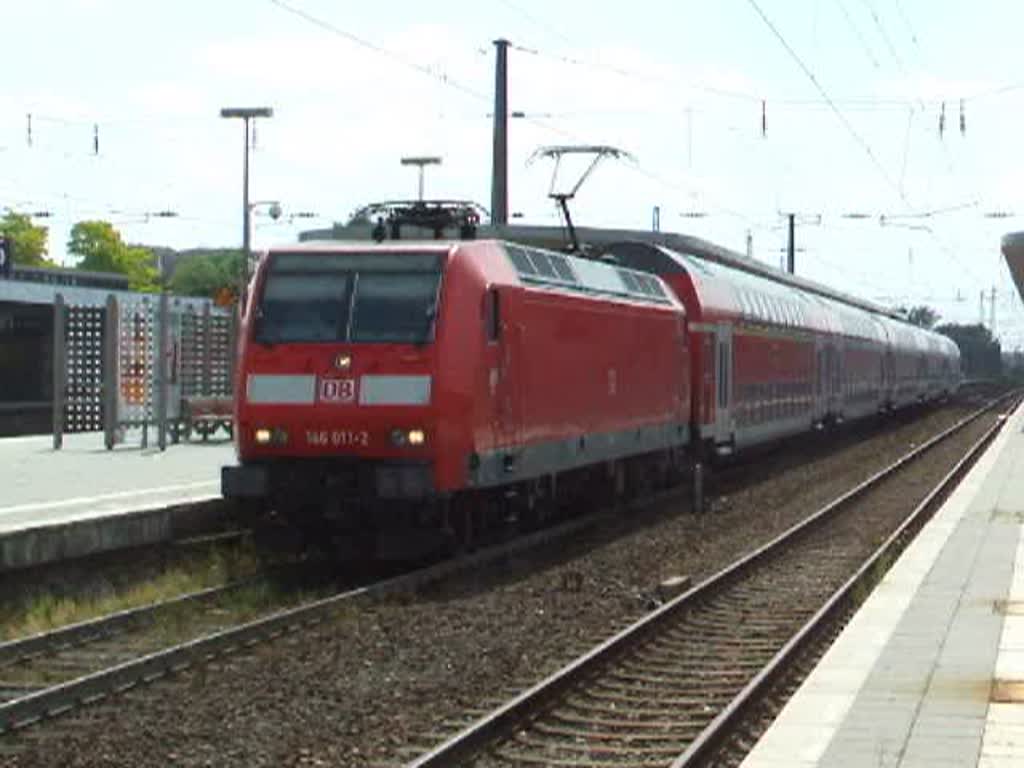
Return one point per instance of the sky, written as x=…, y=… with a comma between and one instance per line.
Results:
x=734, y=113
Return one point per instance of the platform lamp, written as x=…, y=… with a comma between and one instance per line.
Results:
x=246, y=114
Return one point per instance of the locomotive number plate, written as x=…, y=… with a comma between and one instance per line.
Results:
x=338, y=438
x=337, y=390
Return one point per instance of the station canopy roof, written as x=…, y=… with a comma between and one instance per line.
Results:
x=1013, y=250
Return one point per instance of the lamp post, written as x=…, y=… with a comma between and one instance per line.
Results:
x=246, y=114
x=273, y=208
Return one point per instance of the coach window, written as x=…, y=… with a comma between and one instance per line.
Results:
x=492, y=315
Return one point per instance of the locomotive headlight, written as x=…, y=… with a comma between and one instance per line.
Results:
x=407, y=437
x=267, y=436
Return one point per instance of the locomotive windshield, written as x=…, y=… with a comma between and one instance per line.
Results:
x=349, y=297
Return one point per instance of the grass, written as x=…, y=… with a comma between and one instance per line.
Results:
x=47, y=611
x=240, y=606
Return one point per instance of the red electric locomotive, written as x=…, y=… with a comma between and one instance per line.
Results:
x=380, y=386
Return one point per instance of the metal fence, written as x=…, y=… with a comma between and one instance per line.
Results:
x=138, y=362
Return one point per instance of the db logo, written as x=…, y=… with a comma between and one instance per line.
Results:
x=337, y=390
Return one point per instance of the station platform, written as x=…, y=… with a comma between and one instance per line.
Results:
x=930, y=671
x=84, y=499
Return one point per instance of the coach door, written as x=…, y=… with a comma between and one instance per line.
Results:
x=829, y=382
x=884, y=362
x=820, y=380
x=506, y=376
x=835, y=380
x=723, y=383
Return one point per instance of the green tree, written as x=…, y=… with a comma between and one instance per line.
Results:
x=28, y=241
x=207, y=273
x=100, y=249
x=923, y=316
x=98, y=245
x=980, y=353
x=137, y=263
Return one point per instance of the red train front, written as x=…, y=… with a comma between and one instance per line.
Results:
x=379, y=386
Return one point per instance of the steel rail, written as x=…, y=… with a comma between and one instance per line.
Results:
x=84, y=632
x=80, y=633
x=209, y=539
x=717, y=731
x=58, y=699
x=502, y=720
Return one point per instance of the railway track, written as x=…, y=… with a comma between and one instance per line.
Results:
x=120, y=569
x=54, y=673
x=39, y=673
x=133, y=665
x=672, y=688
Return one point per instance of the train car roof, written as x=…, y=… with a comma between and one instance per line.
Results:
x=727, y=291
x=532, y=266
x=326, y=246
x=597, y=239
x=882, y=323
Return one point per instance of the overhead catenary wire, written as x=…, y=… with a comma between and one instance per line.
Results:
x=619, y=71
x=817, y=254
x=551, y=29
x=906, y=147
x=858, y=34
x=997, y=91
x=323, y=24
x=868, y=150
x=676, y=81
x=906, y=22
x=832, y=106
x=642, y=76
x=381, y=50
x=953, y=169
x=884, y=35
x=856, y=103
x=658, y=174
x=409, y=63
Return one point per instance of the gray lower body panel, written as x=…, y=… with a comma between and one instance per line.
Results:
x=514, y=464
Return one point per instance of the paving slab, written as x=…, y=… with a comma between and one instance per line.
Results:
x=910, y=680
x=83, y=498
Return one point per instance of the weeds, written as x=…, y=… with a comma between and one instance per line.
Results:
x=47, y=611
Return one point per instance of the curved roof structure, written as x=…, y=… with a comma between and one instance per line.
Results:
x=725, y=290
x=598, y=238
x=1013, y=250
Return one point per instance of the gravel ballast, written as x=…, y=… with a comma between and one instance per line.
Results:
x=374, y=686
